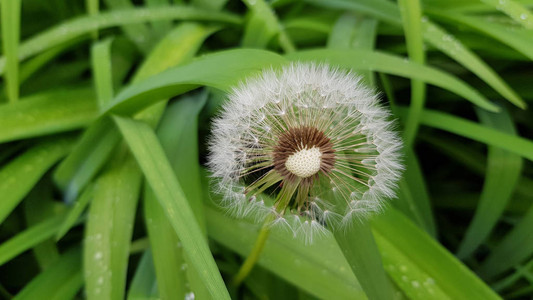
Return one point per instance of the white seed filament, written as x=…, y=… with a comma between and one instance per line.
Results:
x=304, y=163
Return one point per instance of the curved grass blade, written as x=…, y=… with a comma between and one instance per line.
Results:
x=220, y=70
x=515, y=10
x=411, y=18
x=99, y=140
x=73, y=215
x=102, y=71
x=29, y=238
x=19, y=176
x=420, y=266
x=319, y=268
x=47, y=113
x=156, y=168
x=480, y=133
x=445, y=42
x=63, y=280
x=386, y=63
x=140, y=34
x=39, y=206
x=10, y=41
x=503, y=173
x=517, y=38
x=84, y=25
x=109, y=228
x=516, y=247
x=448, y=44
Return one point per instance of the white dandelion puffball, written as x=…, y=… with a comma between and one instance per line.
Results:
x=307, y=147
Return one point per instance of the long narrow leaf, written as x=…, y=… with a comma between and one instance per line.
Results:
x=156, y=168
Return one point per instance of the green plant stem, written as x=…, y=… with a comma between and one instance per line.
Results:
x=253, y=257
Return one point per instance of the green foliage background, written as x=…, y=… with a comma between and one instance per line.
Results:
x=105, y=111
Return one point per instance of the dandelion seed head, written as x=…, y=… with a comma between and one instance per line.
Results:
x=307, y=141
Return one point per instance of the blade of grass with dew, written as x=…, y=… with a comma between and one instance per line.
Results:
x=434, y=35
x=109, y=227
x=502, y=175
x=221, y=70
x=515, y=10
x=73, y=215
x=98, y=141
x=420, y=266
x=83, y=25
x=10, y=13
x=140, y=34
x=63, y=280
x=155, y=166
x=519, y=39
x=448, y=44
x=360, y=250
x=102, y=71
x=38, y=207
x=412, y=24
x=29, y=238
x=144, y=285
x=19, y=176
x=515, y=247
x=370, y=60
x=46, y=113
x=474, y=131
x=177, y=133
x=318, y=268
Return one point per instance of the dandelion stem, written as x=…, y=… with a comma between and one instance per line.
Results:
x=252, y=258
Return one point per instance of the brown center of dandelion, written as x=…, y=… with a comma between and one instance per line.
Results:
x=303, y=152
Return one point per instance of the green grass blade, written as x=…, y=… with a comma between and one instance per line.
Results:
x=143, y=284
x=47, y=113
x=29, y=238
x=109, y=228
x=413, y=195
x=156, y=168
x=140, y=34
x=38, y=207
x=515, y=10
x=480, y=133
x=87, y=158
x=19, y=176
x=421, y=266
x=160, y=28
x=503, y=173
x=520, y=40
x=93, y=7
x=359, y=248
x=412, y=25
x=386, y=63
x=99, y=140
x=220, y=70
x=448, y=44
x=61, y=281
x=319, y=268
x=83, y=25
x=102, y=71
x=516, y=247
x=445, y=42
x=10, y=12
x=75, y=212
